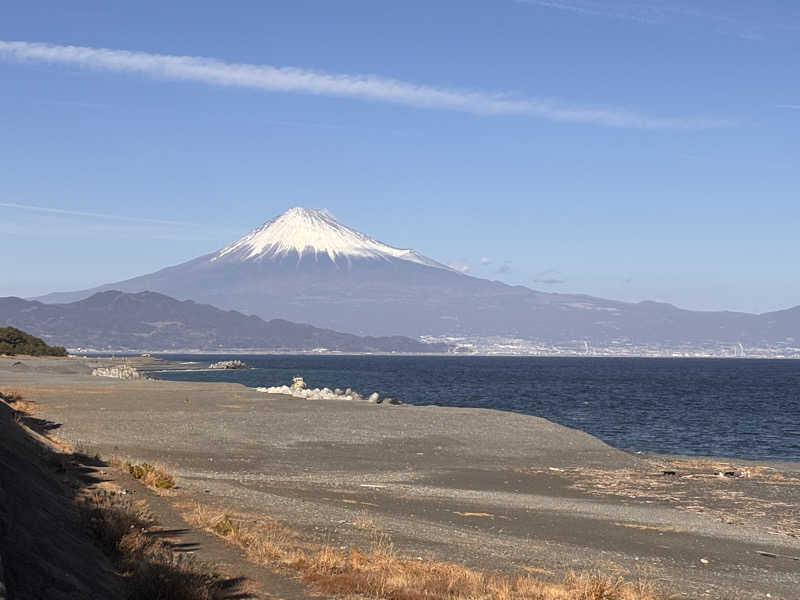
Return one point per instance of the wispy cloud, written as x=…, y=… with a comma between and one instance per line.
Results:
x=78, y=213
x=751, y=22
x=628, y=11
x=363, y=87
x=46, y=222
x=789, y=106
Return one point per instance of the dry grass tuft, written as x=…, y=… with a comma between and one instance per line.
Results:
x=10, y=397
x=16, y=400
x=110, y=518
x=153, y=476
x=363, y=521
x=380, y=573
x=264, y=541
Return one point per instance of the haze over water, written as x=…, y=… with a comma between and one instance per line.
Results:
x=747, y=409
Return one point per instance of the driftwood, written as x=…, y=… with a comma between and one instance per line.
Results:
x=735, y=494
x=774, y=555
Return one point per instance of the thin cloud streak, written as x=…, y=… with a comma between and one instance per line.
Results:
x=78, y=213
x=459, y=266
x=663, y=12
x=363, y=87
x=641, y=14
x=789, y=106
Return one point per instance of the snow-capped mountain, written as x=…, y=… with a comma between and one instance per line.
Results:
x=306, y=232
x=305, y=266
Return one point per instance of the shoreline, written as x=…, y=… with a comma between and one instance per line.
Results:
x=156, y=364
x=478, y=486
x=77, y=353
x=169, y=366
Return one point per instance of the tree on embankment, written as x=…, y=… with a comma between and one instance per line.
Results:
x=14, y=341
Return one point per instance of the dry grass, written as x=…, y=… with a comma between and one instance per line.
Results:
x=264, y=541
x=380, y=573
x=153, y=476
x=10, y=397
x=16, y=400
x=110, y=517
x=150, y=568
x=363, y=521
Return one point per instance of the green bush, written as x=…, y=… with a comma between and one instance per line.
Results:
x=13, y=341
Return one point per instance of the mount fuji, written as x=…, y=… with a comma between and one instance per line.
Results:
x=304, y=234
x=305, y=266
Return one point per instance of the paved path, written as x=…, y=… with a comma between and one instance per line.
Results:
x=256, y=581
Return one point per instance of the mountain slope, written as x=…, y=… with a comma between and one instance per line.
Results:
x=151, y=321
x=305, y=266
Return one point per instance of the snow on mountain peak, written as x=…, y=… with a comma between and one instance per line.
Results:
x=305, y=230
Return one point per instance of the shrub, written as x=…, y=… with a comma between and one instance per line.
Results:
x=151, y=475
x=14, y=341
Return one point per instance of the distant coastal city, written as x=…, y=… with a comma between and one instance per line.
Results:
x=521, y=347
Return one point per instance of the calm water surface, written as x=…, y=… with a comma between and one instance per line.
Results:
x=718, y=407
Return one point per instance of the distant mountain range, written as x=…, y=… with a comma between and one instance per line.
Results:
x=305, y=266
x=115, y=320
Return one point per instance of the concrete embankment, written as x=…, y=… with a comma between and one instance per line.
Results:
x=2, y=581
x=45, y=551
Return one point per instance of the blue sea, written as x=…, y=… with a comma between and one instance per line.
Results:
x=735, y=408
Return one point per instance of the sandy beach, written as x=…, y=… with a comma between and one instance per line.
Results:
x=485, y=488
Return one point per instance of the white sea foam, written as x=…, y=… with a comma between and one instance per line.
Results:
x=118, y=372
x=326, y=394
x=311, y=394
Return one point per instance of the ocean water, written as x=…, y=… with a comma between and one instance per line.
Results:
x=712, y=407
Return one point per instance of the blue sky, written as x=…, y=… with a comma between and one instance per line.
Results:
x=625, y=149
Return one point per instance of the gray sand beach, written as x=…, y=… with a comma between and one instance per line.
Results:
x=487, y=488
